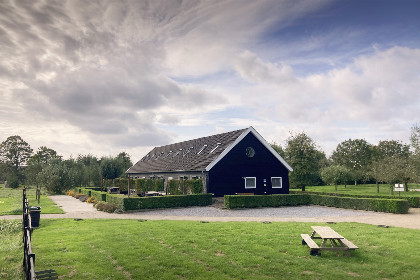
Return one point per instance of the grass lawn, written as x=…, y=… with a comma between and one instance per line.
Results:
x=130, y=249
x=11, y=202
x=365, y=189
x=11, y=249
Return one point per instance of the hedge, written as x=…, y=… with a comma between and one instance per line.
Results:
x=98, y=195
x=152, y=202
x=85, y=191
x=177, y=187
x=275, y=200
x=146, y=185
x=398, y=206
x=413, y=201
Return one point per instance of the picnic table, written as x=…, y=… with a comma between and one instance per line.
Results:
x=331, y=241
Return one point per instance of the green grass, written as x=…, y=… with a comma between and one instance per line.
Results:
x=129, y=249
x=11, y=202
x=365, y=189
x=11, y=249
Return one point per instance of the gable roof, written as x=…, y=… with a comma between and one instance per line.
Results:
x=199, y=154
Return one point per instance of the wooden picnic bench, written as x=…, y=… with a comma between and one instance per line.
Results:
x=331, y=241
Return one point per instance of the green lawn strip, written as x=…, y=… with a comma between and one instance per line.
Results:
x=11, y=202
x=11, y=249
x=129, y=249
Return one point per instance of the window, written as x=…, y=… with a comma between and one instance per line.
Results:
x=214, y=149
x=202, y=149
x=276, y=182
x=250, y=182
x=250, y=152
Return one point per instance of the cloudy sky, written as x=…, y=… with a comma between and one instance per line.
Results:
x=102, y=77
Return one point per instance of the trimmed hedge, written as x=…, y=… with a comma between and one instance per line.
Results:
x=413, y=201
x=146, y=185
x=398, y=206
x=177, y=187
x=168, y=201
x=98, y=195
x=86, y=191
x=275, y=200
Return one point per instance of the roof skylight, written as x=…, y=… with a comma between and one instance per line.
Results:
x=214, y=149
x=202, y=149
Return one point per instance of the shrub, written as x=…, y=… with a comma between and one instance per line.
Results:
x=253, y=201
x=177, y=187
x=106, y=207
x=70, y=193
x=413, y=201
x=169, y=201
x=100, y=196
x=398, y=206
x=91, y=200
x=146, y=185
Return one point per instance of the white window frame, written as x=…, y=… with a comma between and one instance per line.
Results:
x=255, y=181
x=281, y=182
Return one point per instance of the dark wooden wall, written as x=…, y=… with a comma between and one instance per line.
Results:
x=227, y=176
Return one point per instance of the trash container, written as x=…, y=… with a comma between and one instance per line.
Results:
x=35, y=212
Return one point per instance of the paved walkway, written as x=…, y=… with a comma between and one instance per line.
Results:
x=77, y=209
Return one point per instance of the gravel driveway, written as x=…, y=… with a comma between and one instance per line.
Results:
x=77, y=209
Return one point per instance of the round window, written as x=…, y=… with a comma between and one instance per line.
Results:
x=250, y=152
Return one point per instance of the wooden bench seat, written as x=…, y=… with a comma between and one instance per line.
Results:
x=307, y=240
x=349, y=244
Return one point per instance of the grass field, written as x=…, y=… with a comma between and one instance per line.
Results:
x=11, y=202
x=365, y=189
x=11, y=249
x=130, y=249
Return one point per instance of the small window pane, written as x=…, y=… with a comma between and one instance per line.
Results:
x=276, y=182
x=250, y=182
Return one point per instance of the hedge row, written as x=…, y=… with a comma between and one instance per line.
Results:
x=147, y=185
x=413, y=201
x=98, y=195
x=275, y=200
x=152, y=202
x=177, y=187
x=398, y=206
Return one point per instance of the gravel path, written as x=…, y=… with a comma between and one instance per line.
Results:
x=77, y=209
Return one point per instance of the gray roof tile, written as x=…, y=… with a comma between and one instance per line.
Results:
x=185, y=156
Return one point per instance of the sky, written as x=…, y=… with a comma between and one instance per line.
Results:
x=102, y=77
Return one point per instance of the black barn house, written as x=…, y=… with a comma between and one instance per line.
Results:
x=239, y=161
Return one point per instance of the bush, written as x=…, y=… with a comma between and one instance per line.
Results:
x=106, y=207
x=413, y=201
x=153, y=202
x=398, y=206
x=91, y=200
x=177, y=187
x=70, y=193
x=98, y=195
x=146, y=185
x=276, y=200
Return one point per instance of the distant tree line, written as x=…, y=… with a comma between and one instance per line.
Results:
x=45, y=168
x=353, y=161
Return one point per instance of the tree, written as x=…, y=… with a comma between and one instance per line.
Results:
x=356, y=155
x=394, y=170
x=15, y=151
x=415, y=157
x=277, y=148
x=336, y=174
x=303, y=155
x=55, y=176
x=37, y=162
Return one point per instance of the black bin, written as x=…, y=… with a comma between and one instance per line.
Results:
x=35, y=212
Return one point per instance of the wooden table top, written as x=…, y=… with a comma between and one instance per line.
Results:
x=327, y=232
